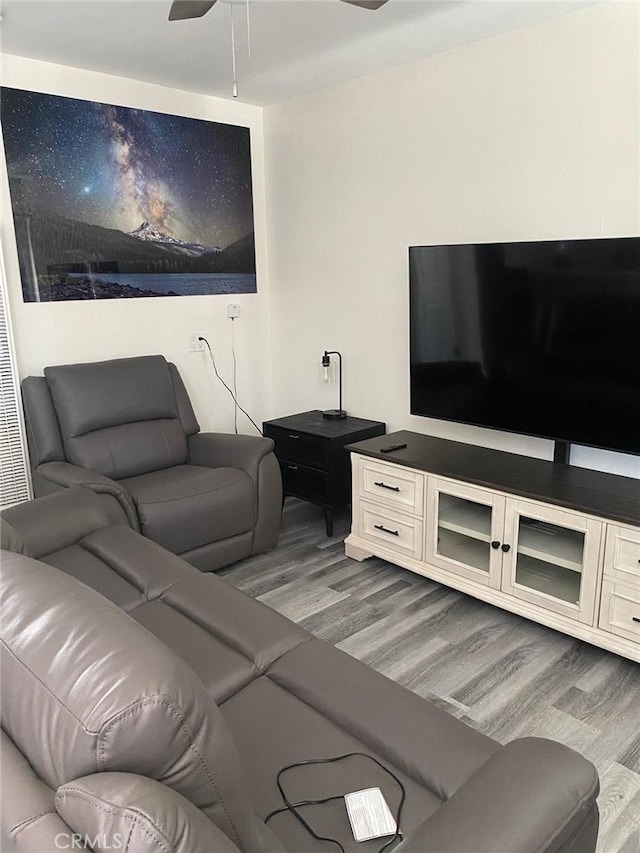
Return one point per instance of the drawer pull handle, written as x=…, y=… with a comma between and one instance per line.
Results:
x=292, y=467
x=384, y=486
x=293, y=435
x=386, y=529
x=635, y=618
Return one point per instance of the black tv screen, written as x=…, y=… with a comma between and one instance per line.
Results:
x=540, y=338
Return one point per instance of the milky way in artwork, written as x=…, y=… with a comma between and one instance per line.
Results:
x=117, y=167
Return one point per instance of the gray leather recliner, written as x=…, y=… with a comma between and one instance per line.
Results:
x=126, y=428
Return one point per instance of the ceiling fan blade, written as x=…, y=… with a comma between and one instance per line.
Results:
x=366, y=4
x=182, y=10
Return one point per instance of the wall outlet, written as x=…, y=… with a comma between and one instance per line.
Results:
x=195, y=345
x=233, y=311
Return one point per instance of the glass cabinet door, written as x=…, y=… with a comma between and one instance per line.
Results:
x=551, y=558
x=463, y=533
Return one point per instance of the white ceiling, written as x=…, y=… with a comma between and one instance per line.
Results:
x=296, y=45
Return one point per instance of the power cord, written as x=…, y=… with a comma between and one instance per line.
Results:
x=233, y=395
x=235, y=378
x=293, y=807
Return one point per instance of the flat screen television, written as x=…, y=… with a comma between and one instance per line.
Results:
x=540, y=338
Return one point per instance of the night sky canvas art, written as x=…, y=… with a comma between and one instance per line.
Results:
x=113, y=202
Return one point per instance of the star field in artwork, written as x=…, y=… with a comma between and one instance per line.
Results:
x=117, y=167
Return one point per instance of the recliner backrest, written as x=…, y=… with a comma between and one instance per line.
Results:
x=121, y=417
x=86, y=689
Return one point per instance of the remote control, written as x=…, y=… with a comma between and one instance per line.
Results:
x=391, y=447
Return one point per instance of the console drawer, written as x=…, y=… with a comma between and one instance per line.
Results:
x=391, y=529
x=620, y=610
x=622, y=555
x=299, y=446
x=391, y=485
x=304, y=482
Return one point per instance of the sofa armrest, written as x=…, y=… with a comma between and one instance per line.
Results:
x=216, y=450
x=533, y=794
x=64, y=475
x=254, y=455
x=144, y=814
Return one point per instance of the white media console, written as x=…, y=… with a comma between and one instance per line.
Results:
x=557, y=544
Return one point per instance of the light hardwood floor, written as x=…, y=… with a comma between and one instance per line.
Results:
x=502, y=674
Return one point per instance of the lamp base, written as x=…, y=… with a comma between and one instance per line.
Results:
x=334, y=414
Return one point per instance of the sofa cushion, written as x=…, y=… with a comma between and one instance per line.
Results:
x=126, y=811
x=118, y=417
x=103, y=394
x=129, y=449
x=122, y=565
x=224, y=635
x=318, y=702
x=188, y=506
x=273, y=728
x=77, y=700
x=362, y=701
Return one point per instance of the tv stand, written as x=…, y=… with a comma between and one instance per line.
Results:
x=562, y=451
x=555, y=543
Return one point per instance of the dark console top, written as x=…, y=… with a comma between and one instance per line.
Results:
x=314, y=424
x=604, y=495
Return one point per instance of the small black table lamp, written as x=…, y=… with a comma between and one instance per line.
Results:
x=333, y=414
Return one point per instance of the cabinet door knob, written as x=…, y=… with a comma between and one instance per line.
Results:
x=506, y=548
x=384, y=486
x=495, y=544
x=386, y=529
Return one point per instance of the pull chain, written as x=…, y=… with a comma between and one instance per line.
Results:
x=233, y=54
x=248, y=31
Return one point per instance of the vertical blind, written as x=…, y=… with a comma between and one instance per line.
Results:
x=14, y=469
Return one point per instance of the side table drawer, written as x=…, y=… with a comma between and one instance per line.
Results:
x=392, y=529
x=304, y=482
x=620, y=610
x=622, y=554
x=391, y=485
x=299, y=446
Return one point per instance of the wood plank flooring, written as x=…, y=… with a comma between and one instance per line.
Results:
x=502, y=674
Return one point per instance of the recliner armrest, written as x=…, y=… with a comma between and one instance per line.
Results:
x=215, y=450
x=65, y=474
x=533, y=794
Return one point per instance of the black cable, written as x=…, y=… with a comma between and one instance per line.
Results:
x=293, y=807
x=303, y=803
x=235, y=379
x=213, y=362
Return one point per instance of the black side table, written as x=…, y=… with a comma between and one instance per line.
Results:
x=314, y=464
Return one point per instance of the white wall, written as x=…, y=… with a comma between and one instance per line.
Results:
x=65, y=332
x=533, y=134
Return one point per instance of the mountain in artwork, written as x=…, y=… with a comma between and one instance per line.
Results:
x=150, y=234
x=56, y=242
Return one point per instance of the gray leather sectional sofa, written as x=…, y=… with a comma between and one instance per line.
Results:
x=149, y=707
